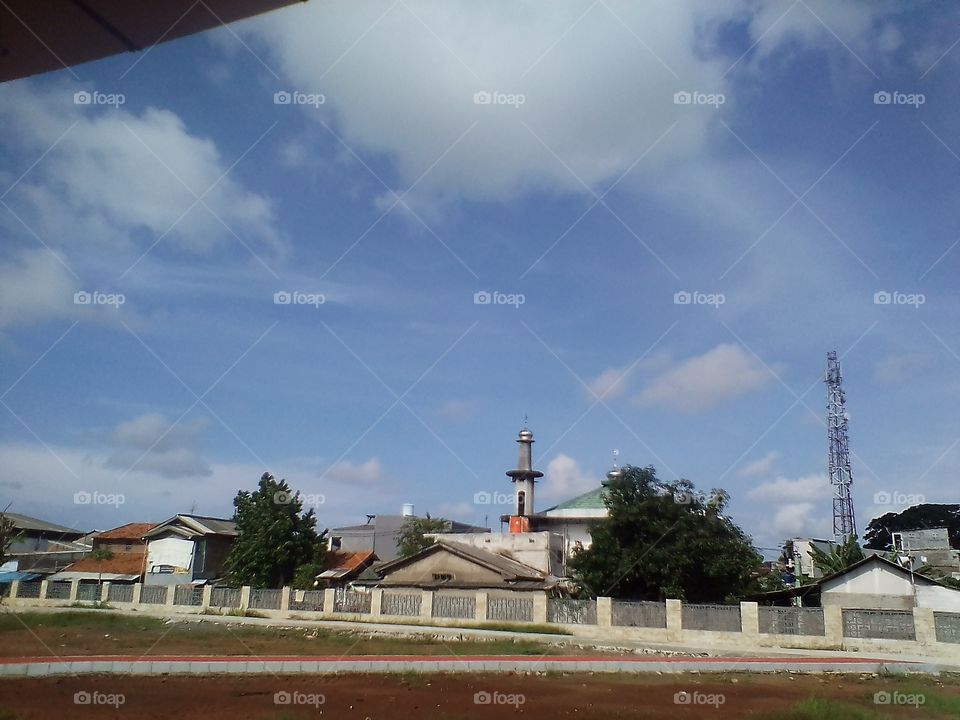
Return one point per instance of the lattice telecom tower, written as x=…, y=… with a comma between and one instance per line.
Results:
x=844, y=523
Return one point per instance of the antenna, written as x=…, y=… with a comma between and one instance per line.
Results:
x=838, y=459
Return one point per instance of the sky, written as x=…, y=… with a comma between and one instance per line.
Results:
x=356, y=244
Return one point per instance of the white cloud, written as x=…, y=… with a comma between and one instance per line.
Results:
x=458, y=411
x=35, y=286
x=896, y=368
x=793, y=508
x=609, y=384
x=108, y=175
x=761, y=466
x=345, y=472
x=705, y=381
x=564, y=479
x=150, y=444
x=804, y=489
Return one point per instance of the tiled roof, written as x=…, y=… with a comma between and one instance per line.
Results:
x=592, y=500
x=130, y=531
x=121, y=564
x=348, y=561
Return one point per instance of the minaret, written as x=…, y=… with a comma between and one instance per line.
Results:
x=524, y=476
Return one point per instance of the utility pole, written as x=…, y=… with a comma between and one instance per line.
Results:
x=838, y=460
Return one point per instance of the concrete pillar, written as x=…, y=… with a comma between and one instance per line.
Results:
x=104, y=591
x=926, y=628
x=285, y=599
x=481, y=612
x=604, y=612
x=376, y=602
x=171, y=594
x=137, y=589
x=14, y=589
x=540, y=608
x=207, y=594
x=426, y=604
x=749, y=619
x=329, y=597
x=44, y=584
x=833, y=624
x=674, y=612
x=74, y=590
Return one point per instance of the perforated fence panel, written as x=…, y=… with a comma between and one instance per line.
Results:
x=188, y=595
x=639, y=614
x=790, y=620
x=407, y=604
x=572, y=612
x=5, y=589
x=29, y=590
x=351, y=601
x=225, y=597
x=89, y=592
x=265, y=599
x=510, y=609
x=310, y=600
x=716, y=618
x=153, y=594
x=120, y=593
x=454, y=606
x=58, y=590
x=947, y=626
x=879, y=624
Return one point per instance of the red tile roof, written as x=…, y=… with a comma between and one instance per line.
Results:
x=130, y=531
x=120, y=564
x=348, y=561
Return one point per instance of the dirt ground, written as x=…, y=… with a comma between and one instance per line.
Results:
x=450, y=696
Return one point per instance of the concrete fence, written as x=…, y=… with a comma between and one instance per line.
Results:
x=920, y=632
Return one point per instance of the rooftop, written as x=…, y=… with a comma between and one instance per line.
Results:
x=25, y=522
x=130, y=531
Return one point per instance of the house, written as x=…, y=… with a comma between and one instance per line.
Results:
x=126, y=563
x=43, y=547
x=340, y=568
x=543, y=551
x=450, y=565
x=799, y=552
x=188, y=549
x=381, y=534
x=928, y=548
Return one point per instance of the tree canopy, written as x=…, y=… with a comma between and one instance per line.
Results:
x=412, y=540
x=665, y=540
x=840, y=556
x=878, y=535
x=275, y=537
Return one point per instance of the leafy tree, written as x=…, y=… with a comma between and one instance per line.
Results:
x=8, y=533
x=839, y=557
x=878, y=535
x=100, y=555
x=412, y=540
x=275, y=537
x=664, y=540
x=305, y=576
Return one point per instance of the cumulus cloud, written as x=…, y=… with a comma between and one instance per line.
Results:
x=348, y=473
x=148, y=443
x=794, y=507
x=761, y=467
x=35, y=286
x=458, y=411
x=705, y=381
x=564, y=479
x=896, y=368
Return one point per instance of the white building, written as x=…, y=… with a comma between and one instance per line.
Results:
x=875, y=582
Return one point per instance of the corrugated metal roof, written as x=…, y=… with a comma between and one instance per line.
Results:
x=25, y=522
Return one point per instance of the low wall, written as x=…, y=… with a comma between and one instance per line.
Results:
x=920, y=631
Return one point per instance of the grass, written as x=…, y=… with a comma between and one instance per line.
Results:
x=467, y=625
x=817, y=708
x=108, y=621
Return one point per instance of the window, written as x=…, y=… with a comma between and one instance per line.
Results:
x=335, y=543
x=521, y=502
x=442, y=577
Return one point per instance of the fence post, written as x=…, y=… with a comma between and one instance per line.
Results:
x=833, y=624
x=426, y=604
x=207, y=594
x=43, y=589
x=480, y=614
x=376, y=602
x=604, y=612
x=540, y=608
x=74, y=590
x=329, y=599
x=244, y=597
x=749, y=619
x=137, y=589
x=285, y=599
x=105, y=591
x=674, y=610
x=171, y=595
x=14, y=589
x=925, y=626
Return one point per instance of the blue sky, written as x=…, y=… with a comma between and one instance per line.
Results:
x=787, y=194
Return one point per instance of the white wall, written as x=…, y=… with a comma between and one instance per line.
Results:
x=533, y=549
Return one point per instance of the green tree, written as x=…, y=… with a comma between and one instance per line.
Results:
x=8, y=533
x=100, y=555
x=877, y=536
x=274, y=536
x=412, y=540
x=665, y=540
x=840, y=556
